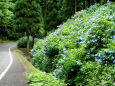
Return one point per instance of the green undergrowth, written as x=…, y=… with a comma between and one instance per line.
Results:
x=44, y=79
x=81, y=52
x=35, y=76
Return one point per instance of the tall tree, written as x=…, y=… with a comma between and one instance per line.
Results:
x=50, y=10
x=5, y=17
x=27, y=17
x=56, y=11
x=69, y=7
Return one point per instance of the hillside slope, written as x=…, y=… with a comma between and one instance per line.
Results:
x=82, y=51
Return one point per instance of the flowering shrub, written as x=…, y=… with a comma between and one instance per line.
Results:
x=82, y=51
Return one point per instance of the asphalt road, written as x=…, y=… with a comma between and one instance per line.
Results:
x=12, y=72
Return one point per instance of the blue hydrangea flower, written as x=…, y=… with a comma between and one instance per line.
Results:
x=114, y=61
x=72, y=70
x=112, y=58
x=78, y=63
x=96, y=55
x=61, y=70
x=54, y=74
x=65, y=51
x=108, y=75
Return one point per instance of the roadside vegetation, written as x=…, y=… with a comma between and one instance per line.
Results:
x=81, y=52
x=69, y=42
x=35, y=76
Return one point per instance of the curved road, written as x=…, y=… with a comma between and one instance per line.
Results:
x=12, y=72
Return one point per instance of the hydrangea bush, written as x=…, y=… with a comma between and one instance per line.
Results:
x=81, y=52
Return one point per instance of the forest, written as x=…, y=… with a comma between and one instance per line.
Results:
x=71, y=42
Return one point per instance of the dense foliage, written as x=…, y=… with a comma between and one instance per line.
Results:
x=5, y=18
x=22, y=42
x=50, y=13
x=28, y=18
x=44, y=79
x=67, y=8
x=82, y=51
x=54, y=12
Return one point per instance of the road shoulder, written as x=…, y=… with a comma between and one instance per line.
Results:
x=27, y=65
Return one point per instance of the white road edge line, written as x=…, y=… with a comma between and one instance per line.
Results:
x=8, y=67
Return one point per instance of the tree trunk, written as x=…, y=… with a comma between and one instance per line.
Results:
x=84, y=4
x=28, y=44
x=89, y=2
x=75, y=6
x=33, y=41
